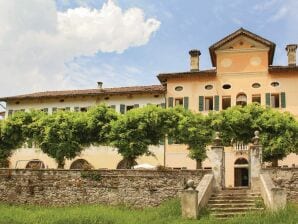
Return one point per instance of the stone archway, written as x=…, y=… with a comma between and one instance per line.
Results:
x=81, y=164
x=241, y=173
x=35, y=164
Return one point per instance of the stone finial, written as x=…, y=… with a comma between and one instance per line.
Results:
x=291, y=50
x=190, y=185
x=194, y=60
x=217, y=139
x=256, y=138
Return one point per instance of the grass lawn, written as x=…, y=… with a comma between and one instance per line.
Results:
x=169, y=212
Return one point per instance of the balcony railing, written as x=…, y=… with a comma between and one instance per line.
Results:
x=240, y=146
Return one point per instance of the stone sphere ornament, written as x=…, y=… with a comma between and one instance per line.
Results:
x=190, y=184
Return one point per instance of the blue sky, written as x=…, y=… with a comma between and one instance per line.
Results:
x=186, y=25
x=44, y=45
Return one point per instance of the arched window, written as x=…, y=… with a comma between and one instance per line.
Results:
x=125, y=164
x=35, y=164
x=81, y=164
x=241, y=161
x=241, y=99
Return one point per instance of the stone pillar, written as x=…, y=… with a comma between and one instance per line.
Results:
x=189, y=201
x=216, y=157
x=255, y=161
x=279, y=198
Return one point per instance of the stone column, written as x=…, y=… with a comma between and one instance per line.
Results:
x=255, y=161
x=215, y=156
x=189, y=201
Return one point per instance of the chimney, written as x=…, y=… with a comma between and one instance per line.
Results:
x=194, y=60
x=99, y=85
x=291, y=49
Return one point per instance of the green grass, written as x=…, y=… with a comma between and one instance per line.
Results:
x=169, y=212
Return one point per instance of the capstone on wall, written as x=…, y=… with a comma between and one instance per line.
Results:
x=137, y=188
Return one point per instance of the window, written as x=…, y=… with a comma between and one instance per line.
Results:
x=208, y=103
x=226, y=102
x=274, y=99
x=208, y=87
x=274, y=84
x=226, y=86
x=178, y=88
x=178, y=101
x=256, y=85
x=129, y=107
x=83, y=109
x=241, y=99
x=256, y=98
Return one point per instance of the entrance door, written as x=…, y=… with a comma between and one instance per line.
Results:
x=241, y=174
x=241, y=177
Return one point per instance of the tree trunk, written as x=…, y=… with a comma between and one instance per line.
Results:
x=274, y=162
x=61, y=164
x=198, y=164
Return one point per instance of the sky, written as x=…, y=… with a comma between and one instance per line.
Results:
x=72, y=44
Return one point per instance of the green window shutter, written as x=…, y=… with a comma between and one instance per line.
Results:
x=10, y=112
x=201, y=103
x=54, y=110
x=113, y=107
x=216, y=103
x=171, y=102
x=45, y=110
x=76, y=109
x=163, y=105
x=67, y=108
x=136, y=106
x=122, y=108
x=283, y=99
x=267, y=99
x=186, y=102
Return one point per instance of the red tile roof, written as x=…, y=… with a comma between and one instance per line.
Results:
x=164, y=76
x=153, y=89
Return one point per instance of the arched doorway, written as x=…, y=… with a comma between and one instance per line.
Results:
x=35, y=164
x=241, y=174
x=81, y=164
x=241, y=99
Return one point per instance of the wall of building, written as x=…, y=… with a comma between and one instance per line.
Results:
x=286, y=178
x=72, y=102
x=100, y=157
x=138, y=188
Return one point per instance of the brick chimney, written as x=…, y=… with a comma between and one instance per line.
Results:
x=99, y=85
x=194, y=60
x=291, y=49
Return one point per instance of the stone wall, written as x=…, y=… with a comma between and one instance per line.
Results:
x=286, y=178
x=138, y=188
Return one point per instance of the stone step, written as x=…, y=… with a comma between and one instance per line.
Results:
x=219, y=201
x=235, y=197
x=242, y=209
x=232, y=205
x=227, y=215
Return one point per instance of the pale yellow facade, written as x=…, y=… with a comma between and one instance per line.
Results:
x=242, y=73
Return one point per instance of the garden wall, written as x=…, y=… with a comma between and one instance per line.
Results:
x=286, y=178
x=138, y=188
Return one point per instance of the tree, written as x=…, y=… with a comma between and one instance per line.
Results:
x=12, y=135
x=279, y=135
x=99, y=120
x=193, y=130
x=62, y=135
x=278, y=130
x=134, y=131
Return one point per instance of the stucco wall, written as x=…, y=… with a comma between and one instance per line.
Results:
x=138, y=188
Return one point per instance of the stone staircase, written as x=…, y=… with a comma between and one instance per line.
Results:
x=230, y=202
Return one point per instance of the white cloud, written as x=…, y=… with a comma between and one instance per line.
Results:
x=36, y=41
